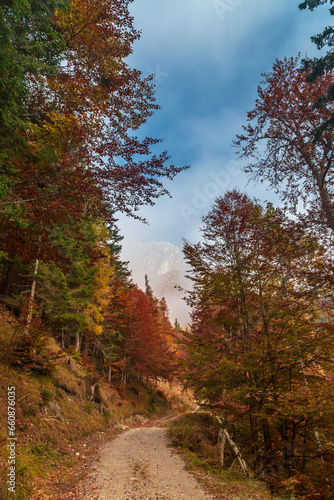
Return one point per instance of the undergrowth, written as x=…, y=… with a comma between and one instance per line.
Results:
x=60, y=406
x=195, y=435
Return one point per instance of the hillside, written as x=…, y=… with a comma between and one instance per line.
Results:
x=64, y=410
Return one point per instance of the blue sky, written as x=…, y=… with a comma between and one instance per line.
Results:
x=208, y=56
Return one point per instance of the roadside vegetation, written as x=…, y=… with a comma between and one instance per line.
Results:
x=65, y=409
x=195, y=435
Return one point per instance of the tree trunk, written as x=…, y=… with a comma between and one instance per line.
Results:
x=31, y=299
x=325, y=197
x=222, y=442
x=124, y=374
x=224, y=432
x=326, y=203
x=237, y=453
x=77, y=341
x=315, y=432
x=8, y=278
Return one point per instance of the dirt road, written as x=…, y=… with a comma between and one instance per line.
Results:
x=138, y=465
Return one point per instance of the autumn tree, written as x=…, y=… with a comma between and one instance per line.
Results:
x=278, y=141
x=71, y=108
x=87, y=110
x=137, y=335
x=260, y=350
x=80, y=108
x=31, y=48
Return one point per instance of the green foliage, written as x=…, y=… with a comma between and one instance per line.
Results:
x=43, y=451
x=326, y=38
x=64, y=293
x=106, y=415
x=156, y=401
x=88, y=407
x=30, y=46
x=46, y=396
x=197, y=433
x=260, y=348
x=318, y=66
x=29, y=468
x=30, y=351
x=75, y=355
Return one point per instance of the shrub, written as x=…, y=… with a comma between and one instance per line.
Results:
x=197, y=433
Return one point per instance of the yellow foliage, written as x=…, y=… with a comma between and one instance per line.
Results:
x=94, y=312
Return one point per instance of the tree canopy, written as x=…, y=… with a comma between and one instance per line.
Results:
x=260, y=349
x=70, y=108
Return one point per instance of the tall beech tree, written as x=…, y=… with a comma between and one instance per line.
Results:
x=278, y=141
x=107, y=101
x=260, y=348
x=70, y=107
x=31, y=48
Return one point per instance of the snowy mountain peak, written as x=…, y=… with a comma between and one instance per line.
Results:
x=165, y=267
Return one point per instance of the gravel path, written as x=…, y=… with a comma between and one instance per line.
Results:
x=138, y=465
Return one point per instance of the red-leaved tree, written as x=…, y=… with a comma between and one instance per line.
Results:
x=280, y=140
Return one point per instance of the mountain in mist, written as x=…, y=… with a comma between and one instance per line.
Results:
x=165, y=267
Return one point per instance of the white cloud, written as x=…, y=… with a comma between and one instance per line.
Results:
x=179, y=31
x=209, y=67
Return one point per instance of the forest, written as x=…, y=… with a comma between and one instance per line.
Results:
x=70, y=159
x=259, y=350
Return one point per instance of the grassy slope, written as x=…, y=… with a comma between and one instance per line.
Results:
x=60, y=420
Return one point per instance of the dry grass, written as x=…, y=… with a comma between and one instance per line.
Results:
x=63, y=377
x=58, y=416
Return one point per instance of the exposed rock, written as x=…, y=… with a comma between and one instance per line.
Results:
x=166, y=268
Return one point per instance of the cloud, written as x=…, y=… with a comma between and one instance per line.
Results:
x=181, y=32
x=208, y=56
x=208, y=68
